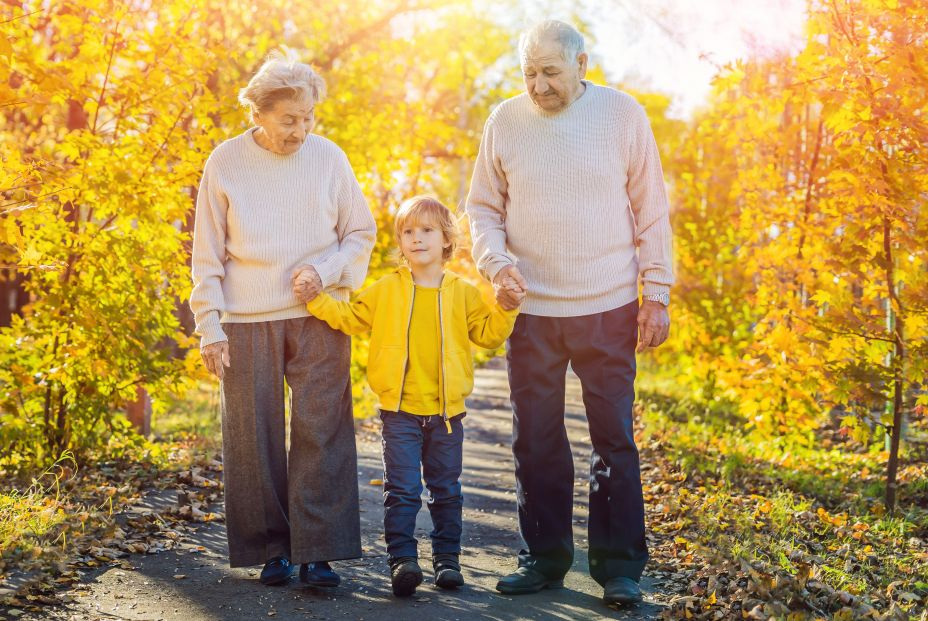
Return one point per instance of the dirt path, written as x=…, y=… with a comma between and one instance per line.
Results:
x=193, y=583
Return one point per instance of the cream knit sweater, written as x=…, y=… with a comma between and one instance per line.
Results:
x=570, y=197
x=260, y=215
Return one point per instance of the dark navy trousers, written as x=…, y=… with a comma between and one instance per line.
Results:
x=601, y=350
x=415, y=447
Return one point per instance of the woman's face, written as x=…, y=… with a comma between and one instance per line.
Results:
x=283, y=128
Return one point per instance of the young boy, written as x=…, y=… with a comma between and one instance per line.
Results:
x=422, y=320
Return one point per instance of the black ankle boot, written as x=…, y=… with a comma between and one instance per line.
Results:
x=405, y=575
x=447, y=571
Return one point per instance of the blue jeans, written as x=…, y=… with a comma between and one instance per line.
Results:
x=413, y=447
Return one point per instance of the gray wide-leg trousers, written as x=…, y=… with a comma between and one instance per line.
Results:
x=304, y=504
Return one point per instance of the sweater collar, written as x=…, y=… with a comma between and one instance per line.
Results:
x=253, y=146
x=578, y=104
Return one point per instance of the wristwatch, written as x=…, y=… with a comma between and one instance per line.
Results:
x=660, y=298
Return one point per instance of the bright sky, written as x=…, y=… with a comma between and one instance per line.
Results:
x=676, y=46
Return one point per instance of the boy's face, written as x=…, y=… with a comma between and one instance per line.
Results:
x=422, y=243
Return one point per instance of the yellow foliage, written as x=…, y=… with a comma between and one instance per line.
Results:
x=793, y=192
x=108, y=113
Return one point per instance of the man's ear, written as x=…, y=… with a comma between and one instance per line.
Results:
x=582, y=59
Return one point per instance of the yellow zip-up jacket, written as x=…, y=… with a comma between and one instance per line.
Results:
x=385, y=309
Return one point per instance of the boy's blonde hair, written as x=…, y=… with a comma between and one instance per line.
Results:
x=428, y=209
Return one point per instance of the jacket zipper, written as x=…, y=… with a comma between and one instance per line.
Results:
x=406, y=359
x=441, y=365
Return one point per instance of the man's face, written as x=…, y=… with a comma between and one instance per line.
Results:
x=552, y=82
x=286, y=125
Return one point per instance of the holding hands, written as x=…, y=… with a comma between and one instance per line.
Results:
x=306, y=283
x=510, y=287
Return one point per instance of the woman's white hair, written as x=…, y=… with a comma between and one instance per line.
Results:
x=571, y=40
x=281, y=77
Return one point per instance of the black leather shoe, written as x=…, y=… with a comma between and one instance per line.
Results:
x=622, y=590
x=447, y=569
x=319, y=574
x=527, y=580
x=276, y=571
x=405, y=576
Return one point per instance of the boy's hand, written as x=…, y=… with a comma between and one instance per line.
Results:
x=509, y=294
x=306, y=283
x=510, y=287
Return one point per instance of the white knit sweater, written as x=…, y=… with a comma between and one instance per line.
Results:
x=260, y=215
x=569, y=197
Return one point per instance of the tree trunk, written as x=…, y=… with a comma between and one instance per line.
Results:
x=896, y=436
x=13, y=297
x=139, y=412
x=897, y=368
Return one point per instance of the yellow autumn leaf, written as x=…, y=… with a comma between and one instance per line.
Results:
x=30, y=257
x=6, y=48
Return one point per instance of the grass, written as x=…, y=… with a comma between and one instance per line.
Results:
x=710, y=441
x=29, y=518
x=193, y=416
x=800, y=508
x=42, y=519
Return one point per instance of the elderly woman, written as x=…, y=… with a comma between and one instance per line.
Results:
x=273, y=200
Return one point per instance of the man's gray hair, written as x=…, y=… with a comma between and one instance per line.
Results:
x=281, y=77
x=569, y=37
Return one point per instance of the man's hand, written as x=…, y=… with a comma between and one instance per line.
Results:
x=306, y=283
x=510, y=287
x=505, y=292
x=216, y=358
x=653, y=325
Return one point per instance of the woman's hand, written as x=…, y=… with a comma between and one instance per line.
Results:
x=306, y=283
x=216, y=358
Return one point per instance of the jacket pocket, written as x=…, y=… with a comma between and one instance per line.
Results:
x=459, y=370
x=385, y=369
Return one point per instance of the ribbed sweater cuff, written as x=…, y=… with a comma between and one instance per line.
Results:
x=211, y=332
x=492, y=268
x=330, y=270
x=653, y=288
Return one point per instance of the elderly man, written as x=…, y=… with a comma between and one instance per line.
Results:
x=568, y=186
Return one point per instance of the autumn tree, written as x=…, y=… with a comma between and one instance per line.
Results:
x=109, y=110
x=809, y=221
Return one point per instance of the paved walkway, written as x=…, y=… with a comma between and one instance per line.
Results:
x=193, y=583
